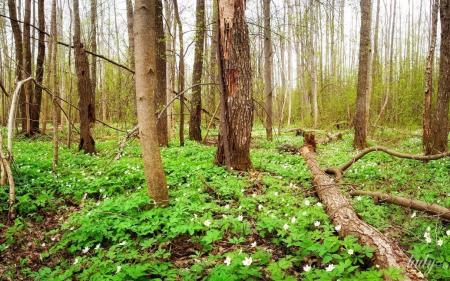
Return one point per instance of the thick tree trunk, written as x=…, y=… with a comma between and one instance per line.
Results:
x=440, y=125
x=268, y=61
x=145, y=34
x=27, y=70
x=361, y=121
x=37, y=98
x=427, y=99
x=387, y=252
x=85, y=91
x=195, y=132
x=161, y=78
x=236, y=86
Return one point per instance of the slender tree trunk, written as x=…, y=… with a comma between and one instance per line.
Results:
x=268, y=61
x=130, y=12
x=54, y=46
x=170, y=63
x=161, y=89
x=236, y=86
x=313, y=65
x=361, y=121
x=213, y=58
x=85, y=90
x=93, y=42
x=195, y=132
x=427, y=99
x=145, y=32
x=440, y=125
x=37, y=98
x=27, y=70
x=180, y=71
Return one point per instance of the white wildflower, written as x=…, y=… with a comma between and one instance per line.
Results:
x=285, y=226
x=85, y=250
x=123, y=243
x=253, y=244
x=448, y=232
x=307, y=268
x=358, y=198
x=307, y=203
x=75, y=261
x=330, y=267
x=440, y=242
x=224, y=216
x=240, y=218
x=293, y=220
x=275, y=193
x=260, y=207
x=319, y=205
x=338, y=227
x=207, y=223
x=317, y=223
x=350, y=252
x=247, y=261
x=97, y=247
x=428, y=240
x=227, y=261
x=118, y=269
x=227, y=206
x=414, y=215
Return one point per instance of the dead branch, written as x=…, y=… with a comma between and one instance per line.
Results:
x=434, y=209
x=387, y=253
x=339, y=171
x=131, y=134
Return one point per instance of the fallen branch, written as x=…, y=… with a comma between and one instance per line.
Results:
x=339, y=171
x=434, y=209
x=387, y=253
x=131, y=134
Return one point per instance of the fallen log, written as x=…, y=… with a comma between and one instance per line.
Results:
x=340, y=170
x=434, y=209
x=387, y=253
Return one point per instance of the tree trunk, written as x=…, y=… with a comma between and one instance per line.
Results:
x=268, y=61
x=54, y=79
x=313, y=66
x=145, y=36
x=387, y=252
x=85, y=90
x=427, y=99
x=93, y=48
x=236, y=86
x=37, y=98
x=130, y=32
x=213, y=58
x=27, y=70
x=361, y=121
x=180, y=71
x=170, y=63
x=161, y=78
x=440, y=125
x=195, y=132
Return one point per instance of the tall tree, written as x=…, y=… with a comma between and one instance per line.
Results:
x=235, y=77
x=181, y=70
x=427, y=99
x=195, y=132
x=27, y=66
x=93, y=42
x=161, y=76
x=268, y=61
x=85, y=90
x=54, y=82
x=361, y=121
x=37, y=98
x=130, y=12
x=440, y=124
x=313, y=64
x=145, y=34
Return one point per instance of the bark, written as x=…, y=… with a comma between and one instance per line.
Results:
x=129, y=4
x=161, y=78
x=37, y=98
x=361, y=121
x=427, y=99
x=213, y=57
x=268, y=61
x=180, y=70
x=85, y=90
x=145, y=34
x=434, y=209
x=313, y=67
x=236, y=86
x=27, y=67
x=440, y=124
x=195, y=132
x=387, y=252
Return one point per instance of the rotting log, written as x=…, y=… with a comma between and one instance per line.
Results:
x=387, y=253
x=440, y=211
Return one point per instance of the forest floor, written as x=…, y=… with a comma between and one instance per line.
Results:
x=93, y=220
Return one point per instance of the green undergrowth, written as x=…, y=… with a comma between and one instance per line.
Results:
x=219, y=225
